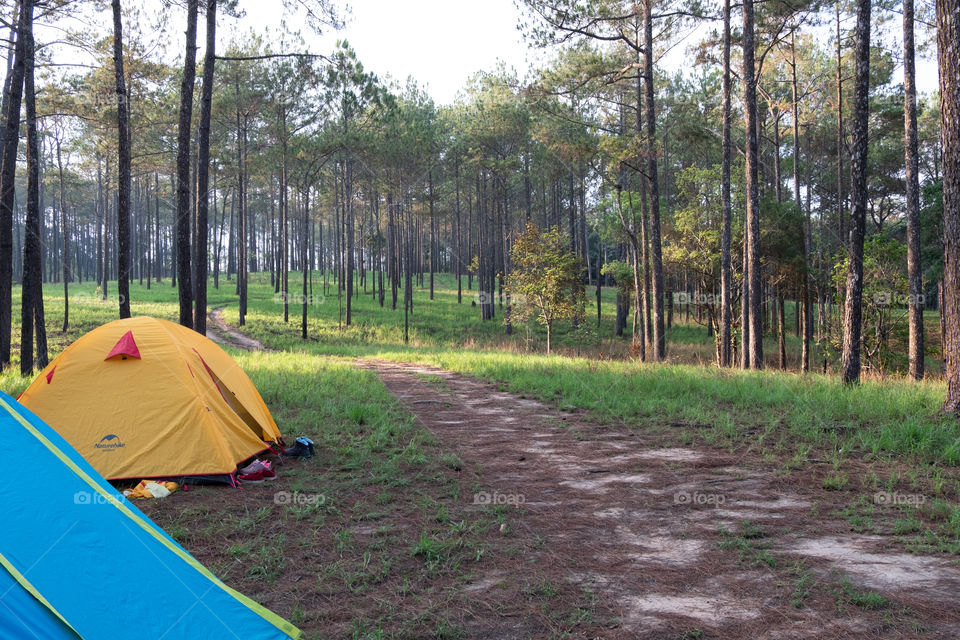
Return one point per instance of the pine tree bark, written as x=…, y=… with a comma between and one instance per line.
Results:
x=32, y=328
x=123, y=168
x=304, y=267
x=349, y=246
x=157, y=268
x=726, y=268
x=241, y=209
x=782, y=330
x=184, y=266
x=805, y=285
x=659, y=337
x=433, y=238
x=755, y=347
x=841, y=213
x=948, y=45
x=914, y=268
x=13, y=96
x=853, y=306
x=203, y=172
x=65, y=246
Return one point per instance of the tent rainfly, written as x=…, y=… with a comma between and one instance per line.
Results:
x=147, y=398
x=78, y=561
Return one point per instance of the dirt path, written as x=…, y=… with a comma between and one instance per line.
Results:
x=220, y=332
x=655, y=534
x=616, y=534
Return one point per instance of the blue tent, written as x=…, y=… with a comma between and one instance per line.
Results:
x=77, y=560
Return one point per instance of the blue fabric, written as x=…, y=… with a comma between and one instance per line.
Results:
x=23, y=617
x=107, y=576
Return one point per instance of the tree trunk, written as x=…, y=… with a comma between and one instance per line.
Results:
x=459, y=236
x=638, y=340
x=853, y=308
x=659, y=337
x=13, y=95
x=183, y=258
x=241, y=210
x=841, y=214
x=726, y=269
x=777, y=178
x=782, y=327
x=123, y=168
x=914, y=267
x=433, y=239
x=393, y=251
x=349, y=246
x=805, y=285
x=65, y=245
x=304, y=267
x=157, y=268
x=184, y=275
x=753, y=210
x=948, y=42
x=31, y=304
x=203, y=172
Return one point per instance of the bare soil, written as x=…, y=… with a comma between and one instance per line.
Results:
x=607, y=533
x=220, y=332
x=652, y=530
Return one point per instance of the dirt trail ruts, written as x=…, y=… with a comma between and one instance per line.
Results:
x=639, y=524
x=220, y=332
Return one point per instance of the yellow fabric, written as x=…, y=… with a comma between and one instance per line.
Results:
x=163, y=415
x=139, y=491
x=148, y=488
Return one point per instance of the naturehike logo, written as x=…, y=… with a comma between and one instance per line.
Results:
x=111, y=441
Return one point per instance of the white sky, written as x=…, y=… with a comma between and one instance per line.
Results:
x=440, y=43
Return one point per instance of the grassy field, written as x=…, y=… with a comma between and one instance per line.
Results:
x=379, y=471
x=780, y=412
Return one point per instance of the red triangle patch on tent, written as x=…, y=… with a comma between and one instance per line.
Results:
x=50, y=374
x=126, y=346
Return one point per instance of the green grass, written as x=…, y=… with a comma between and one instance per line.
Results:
x=780, y=412
x=377, y=463
x=887, y=418
x=803, y=584
x=749, y=544
x=863, y=598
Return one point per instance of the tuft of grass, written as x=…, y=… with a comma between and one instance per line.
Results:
x=836, y=481
x=748, y=544
x=863, y=598
x=803, y=584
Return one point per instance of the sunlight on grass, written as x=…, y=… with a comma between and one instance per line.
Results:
x=888, y=417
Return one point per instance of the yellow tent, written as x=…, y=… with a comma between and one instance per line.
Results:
x=147, y=398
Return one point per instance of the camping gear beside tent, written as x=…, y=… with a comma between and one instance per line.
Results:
x=302, y=448
x=147, y=398
x=77, y=560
